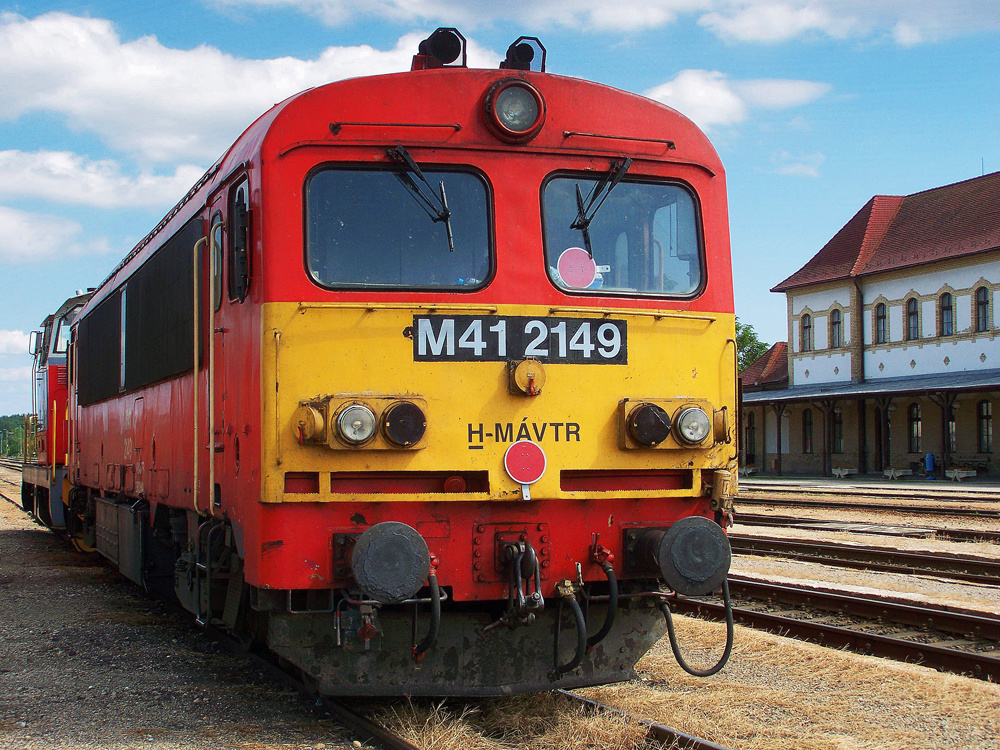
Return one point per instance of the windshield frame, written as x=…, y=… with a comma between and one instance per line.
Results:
x=631, y=178
x=429, y=169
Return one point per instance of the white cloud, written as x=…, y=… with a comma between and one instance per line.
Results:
x=703, y=95
x=776, y=22
x=768, y=21
x=800, y=165
x=66, y=177
x=159, y=103
x=15, y=374
x=28, y=237
x=907, y=22
x=778, y=93
x=711, y=99
x=907, y=35
x=13, y=342
x=470, y=14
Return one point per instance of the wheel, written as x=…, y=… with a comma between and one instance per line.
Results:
x=81, y=546
x=28, y=497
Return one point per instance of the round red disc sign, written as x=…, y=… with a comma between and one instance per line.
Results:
x=525, y=462
x=576, y=268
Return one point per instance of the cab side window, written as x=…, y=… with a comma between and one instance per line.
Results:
x=239, y=242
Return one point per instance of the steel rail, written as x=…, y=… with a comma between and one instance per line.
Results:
x=661, y=733
x=363, y=729
x=942, y=491
x=930, y=510
x=982, y=666
x=955, y=567
x=966, y=623
x=825, y=524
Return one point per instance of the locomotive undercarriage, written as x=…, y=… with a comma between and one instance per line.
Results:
x=346, y=644
x=469, y=659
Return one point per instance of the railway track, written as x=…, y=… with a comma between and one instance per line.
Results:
x=856, y=527
x=948, y=640
x=866, y=557
x=917, y=510
x=663, y=735
x=932, y=491
x=369, y=731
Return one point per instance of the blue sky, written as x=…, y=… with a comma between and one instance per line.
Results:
x=110, y=110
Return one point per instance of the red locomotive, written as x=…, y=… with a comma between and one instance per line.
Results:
x=46, y=434
x=429, y=377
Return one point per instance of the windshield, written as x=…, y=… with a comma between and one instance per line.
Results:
x=62, y=337
x=644, y=239
x=366, y=228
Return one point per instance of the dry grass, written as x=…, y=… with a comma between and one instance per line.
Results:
x=541, y=721
x=775, y=694
x=779, y=694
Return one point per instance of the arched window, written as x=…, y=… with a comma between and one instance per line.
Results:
x=881, y=328
x=836, y=335
x=912, y=319
x=751, y=439
x=947, y=313
x=807, y=431
x=982, y=309
x=984, y=411
x=806, y=333
x=914, y=425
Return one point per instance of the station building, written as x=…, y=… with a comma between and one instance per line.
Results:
x=893, y=345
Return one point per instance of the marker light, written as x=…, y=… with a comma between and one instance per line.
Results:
x=515, y=110
x=403, y=424
x=693, y=425
x=356, y=424
x=648, y=424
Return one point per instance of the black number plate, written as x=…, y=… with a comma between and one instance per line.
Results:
x=493, y=338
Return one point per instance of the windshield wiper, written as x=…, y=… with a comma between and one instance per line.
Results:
x=587, y=209
x=435, y=205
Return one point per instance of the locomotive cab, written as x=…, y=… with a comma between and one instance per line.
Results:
x=46, y=444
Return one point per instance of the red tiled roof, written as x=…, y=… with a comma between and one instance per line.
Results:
x=771, y=367
x=892, y=232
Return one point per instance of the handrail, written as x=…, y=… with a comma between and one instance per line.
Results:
x=197, y=288
x=212, y=270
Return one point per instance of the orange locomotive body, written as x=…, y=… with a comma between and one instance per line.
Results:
x=428, y=384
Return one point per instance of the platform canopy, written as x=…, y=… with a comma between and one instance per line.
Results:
x=976, y=380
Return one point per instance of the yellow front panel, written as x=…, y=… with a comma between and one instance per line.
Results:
x=357, y=352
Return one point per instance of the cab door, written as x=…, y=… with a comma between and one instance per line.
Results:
x=229, y=246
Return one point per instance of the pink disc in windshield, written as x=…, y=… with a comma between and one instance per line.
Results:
x=576, y=268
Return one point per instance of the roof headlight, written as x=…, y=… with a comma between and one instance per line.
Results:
x=693, y=425
x=356, y=424
x=514, y=109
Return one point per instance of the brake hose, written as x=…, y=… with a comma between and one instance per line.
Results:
x=665, y=608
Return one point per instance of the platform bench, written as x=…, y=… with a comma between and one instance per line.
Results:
x=897, y=473
x=841, y=473
x=747, y=470
x=970, y=462
x=957, y=475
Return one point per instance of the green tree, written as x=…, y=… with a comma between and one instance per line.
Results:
x=11, y=429
x=749, y=345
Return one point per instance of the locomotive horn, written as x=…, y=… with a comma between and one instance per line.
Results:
x=444, y=46
x=692, y=556
x=390, y=562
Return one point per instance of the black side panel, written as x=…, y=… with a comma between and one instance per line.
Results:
x=159, y=302
x=100, y=352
